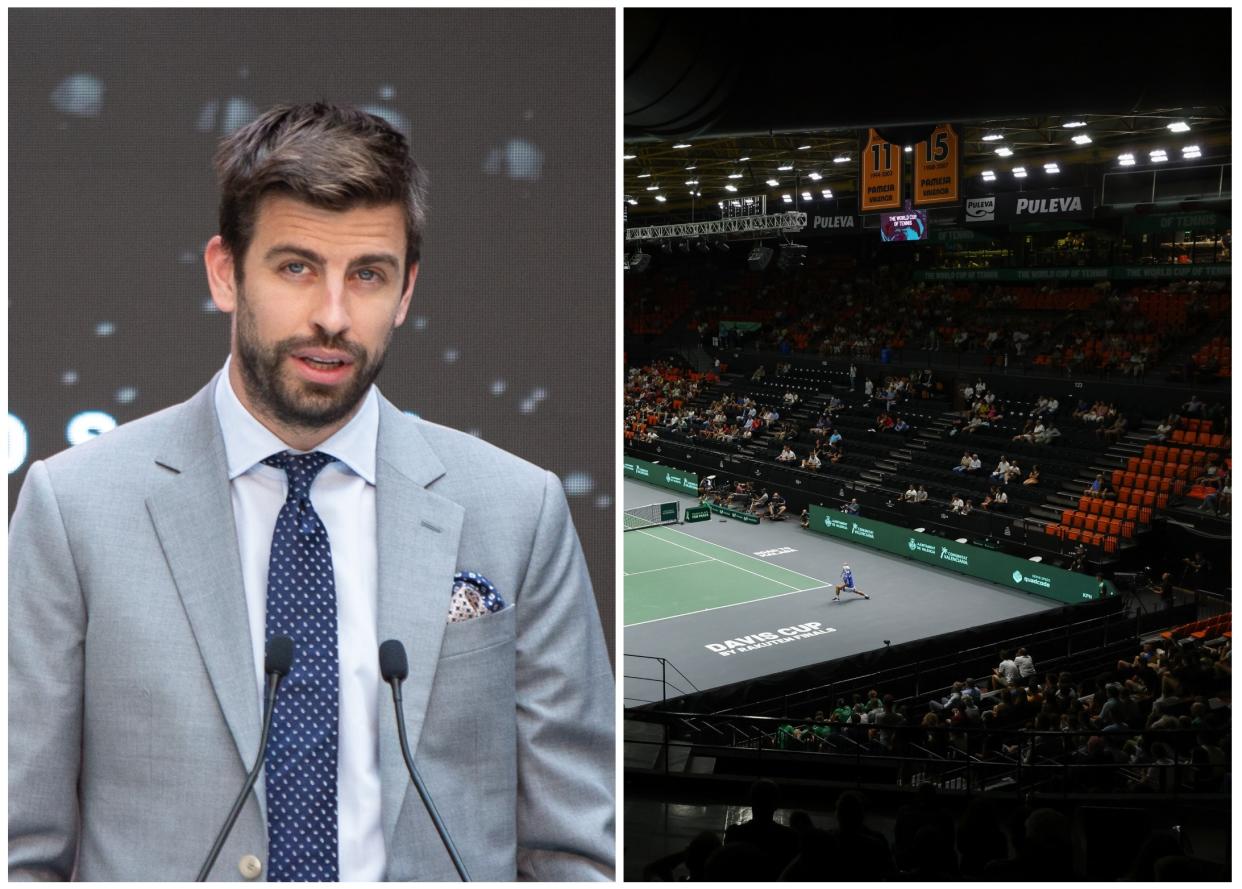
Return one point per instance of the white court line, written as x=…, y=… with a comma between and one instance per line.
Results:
x=730, y=605
x=667, y=567
x=738, y=567
x=736, y=553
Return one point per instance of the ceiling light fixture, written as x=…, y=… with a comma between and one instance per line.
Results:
x=1070, y=124
x=1004, y=152
x=1179, y=126
x=1081, y=139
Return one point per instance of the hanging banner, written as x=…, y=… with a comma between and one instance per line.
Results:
x=880, y=167
x=937, y=168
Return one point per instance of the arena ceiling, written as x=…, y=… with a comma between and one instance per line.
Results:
x=746, y=93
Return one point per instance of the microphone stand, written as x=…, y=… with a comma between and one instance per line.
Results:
x=269, y=708
x=395, y=682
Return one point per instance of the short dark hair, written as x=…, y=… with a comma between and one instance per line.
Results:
x=331, y=156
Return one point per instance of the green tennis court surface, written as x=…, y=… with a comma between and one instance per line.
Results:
x=670, y=573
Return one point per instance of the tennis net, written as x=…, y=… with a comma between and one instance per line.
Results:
x=652, y=515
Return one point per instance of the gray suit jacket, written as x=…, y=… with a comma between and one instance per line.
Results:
x=133, y=709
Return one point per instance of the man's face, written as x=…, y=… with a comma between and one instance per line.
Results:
x=321, y=293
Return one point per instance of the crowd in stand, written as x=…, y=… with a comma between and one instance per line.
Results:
x=1160, y=718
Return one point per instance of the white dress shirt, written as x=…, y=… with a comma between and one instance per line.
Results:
x=344, y=497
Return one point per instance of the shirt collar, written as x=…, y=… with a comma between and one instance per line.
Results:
x=247, y=441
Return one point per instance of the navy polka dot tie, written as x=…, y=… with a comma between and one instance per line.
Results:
x=301, y=754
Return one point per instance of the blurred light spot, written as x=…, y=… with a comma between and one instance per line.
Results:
x=539, y=394
x=237, y=113
x=477, y=433
x=578, y=483
x=69, y=377
x=207, y=117
x=126, y=395
x=19, y=444
x=517, y=159
x=527, y=406
x=386, y=91
x=105, y=328
x=420, y=322
x=411, y=414
x=498, y=387
x=243, y=72
x=396, y=119
x=451, y=355
x=528, y=114
x=209, y=306
x=87, y=425
x=603, y=501
x=80, y=95
x=187, y=257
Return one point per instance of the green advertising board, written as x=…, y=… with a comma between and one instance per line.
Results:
x=674, y=479
x=1099, y=273
x=733, y=514
x=1176, y=223
x=1009, y=571
x=697, y=514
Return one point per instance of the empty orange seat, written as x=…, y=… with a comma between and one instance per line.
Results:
x=1149, y=451
x=1117, y=477
x=1066, y=515
x=1089, y=523
x=1114, y=527
x=1110, y=544
x=1144, y=515
x=1132, y=513
x=1162, y=501
x=1073, y=534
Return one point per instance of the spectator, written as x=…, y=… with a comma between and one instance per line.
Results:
x=852, y=507
x=812, y=461
x=868, y=857
x=805, y=517
x=963, y=464
x=1096, y=488
x=1001, y=501
x=922, y=494
x=975, y=463
x=1026, y=668
x=1006, y=674
x=956, y=504
x=1032, y=478
x=777, y=507
x=776, y=843
x=693, y=858
x=787, y=455
x=911, y=495
x=1000, y=474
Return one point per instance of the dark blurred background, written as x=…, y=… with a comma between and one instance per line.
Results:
x=114, y=116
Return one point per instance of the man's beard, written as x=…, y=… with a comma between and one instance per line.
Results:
x=272, y=388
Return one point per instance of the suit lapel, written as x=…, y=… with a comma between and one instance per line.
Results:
x=417, y=537
x=193, y=518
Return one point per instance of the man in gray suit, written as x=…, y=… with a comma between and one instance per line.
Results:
x=145, y=578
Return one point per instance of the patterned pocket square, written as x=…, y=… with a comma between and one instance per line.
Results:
x=473, y=596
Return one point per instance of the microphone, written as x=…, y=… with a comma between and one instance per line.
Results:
x=277, y=660
x=394, y=668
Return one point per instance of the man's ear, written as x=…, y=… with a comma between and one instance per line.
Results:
x=218, y=260
x=404, y=305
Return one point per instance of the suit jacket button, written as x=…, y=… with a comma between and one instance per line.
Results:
x=250, y=867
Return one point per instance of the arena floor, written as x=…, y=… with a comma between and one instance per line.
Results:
x=724, y=601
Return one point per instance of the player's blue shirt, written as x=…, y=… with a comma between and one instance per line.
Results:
x=847, y=578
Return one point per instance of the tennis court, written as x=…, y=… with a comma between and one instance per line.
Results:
x=669, y=573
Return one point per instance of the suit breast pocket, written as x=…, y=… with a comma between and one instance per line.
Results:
x=479, y=633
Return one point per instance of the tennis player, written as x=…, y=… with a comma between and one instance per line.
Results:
x=847, y=583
